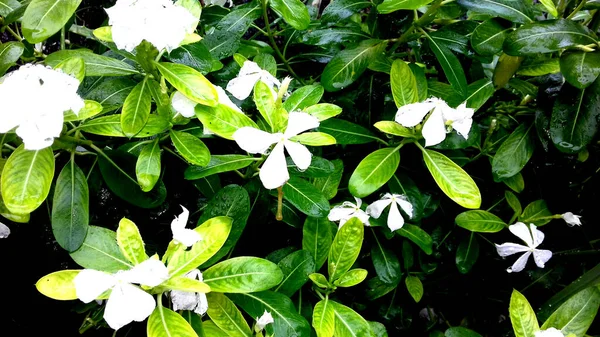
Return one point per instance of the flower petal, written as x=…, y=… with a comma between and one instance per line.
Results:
x=412, y=114
x=434, y=129
x=520, y=263
x=541, y=256
x=274, y=171
x=522, y=232
x=90, y=284
x=551, y=332
x=180, y=221
x=299, y=122
x=187, y=237
x=253, y=140
x=150, y=273
x=507, y=249
x=225, y=100
x=339, y=212
x=395, y=220
x=537, y=235
x=358, y=202
x=403, y=202
x=363, y=217
x=202, y=306
x=184, y=300
x=571, y=219
x=127, y=303
x=265, y=319
x=299, y=153
x=4, y=231
x=375, y=209
x=241, y=86
x=183, y=105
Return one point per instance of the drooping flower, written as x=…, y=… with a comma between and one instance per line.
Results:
x=184, y=300
x=185, y=236
x=160, y=22
x=241, y=86
x=572, y=219
x=441, y=120
x=185, y=106
x=261, y=322
x=126, y=302
x=39, y=116
x=533, y=237
x=274, y=171
x=347, y=210
x=4, y=231
x=551, y=332
x=395, y=220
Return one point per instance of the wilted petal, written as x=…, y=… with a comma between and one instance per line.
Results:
x=571, y=219
x=412, y=114
x=183, y=105
x=241, y=86
x=507, y=249
x=265, y=319
x=4, y=231
x=274, y=171
x=90, y=284
x=299, y=122
x=541, y=256
x=127, y=303
x=520, y=263
x=253, y=140
x=202, y=305
x=522, y=232
x=299, y=153
x=184, y=300
x=375, y=209
x=150, y=273
x=395, y=220
x=434, y=129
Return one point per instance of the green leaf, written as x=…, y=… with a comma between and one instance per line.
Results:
x=70, y=207
x=393, y=128
x=136, y=109
x=488, y=37
x=111, y=92
x=8, y=6
x=43, y=18
x=196, y=56
x=10, y=53
x=403, y=83
x=294, y=12
x=190, y=147
x=183, y=283
x=346, y=132
x=339, y=10
x=536, y=213
x=266, y=62
x=304, y=97
x=26, y=179
x=329, y=185
x=223, y=120
x=452, y=179
x=452, y=40
x=95, y=65
x=351, y=278
x=480, y=221
x=460, y=332
x=451, y=65
x=221, y=43
x=467, y=254
x=515, y=183
x=550, y=7
x=314, y=139
x=577, y=314
x=418, y=236
x=374, y=171
x=385, y=261
x=515, y=11
x=402, y=184
x=219, y=164
x=305, y=197
x=100, y=251
x=58, y=285
x=535, y=66
x=345, y=248
x=317, y=239
x=265, y=103
x=414, y=287
x=323, y=111
x=334, y=35
x=90, y=109
x=209, y=328
x=227, y=316
x=130, y=242
x=323, y=318
x=514, y=153
x=242, y=275
x=295, y=267
x=389, y=6
x=347, y=66
x=147, y=167
x=189, y=82
x=522, y=316
x=575, y=115
x=348, y=323
x=318, y=167
x=478, y=94
x=546, y=37
x=513, y=202
x=110, y=126
x=319, y=280
x=164, y=322
x=580, y=68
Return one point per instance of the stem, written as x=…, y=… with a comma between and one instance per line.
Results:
x=577, y=9
x=62, y=38
x=279, y=215
x=15, y=35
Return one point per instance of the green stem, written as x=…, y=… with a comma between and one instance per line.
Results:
x=15, y=35
x=577, y=9
x=62, y=38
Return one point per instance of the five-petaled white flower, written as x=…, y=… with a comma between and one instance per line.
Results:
x=442, y=117
x=185, y=106
x=551, y=332
x=126, y=302
x=38, y=118
x=348, y=210
x=571, y=219
x=241, y=86
x=160, y=22
x=533, y=237
x=184, y=300
x=4, y=231
x=274, y=172
x=185, y=236
x=261, y=322
x=395, y=220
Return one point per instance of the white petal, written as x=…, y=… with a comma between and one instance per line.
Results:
x=339, y=212
x=551, y=332
x=253, y=140
x=202, y=305
x=299, y=122
x=299, y=153
x=375, y=209
x=184, y=300
x=463, y=127
x=395, y=220
x=249, y=68
x=225, y=100
x=180, y=221
x=241, y=86
x=4, y=231
x=403, y=202
x=520, y=263
x=508, y=248
x=412, y=114
x=127, y=303
x=541, y=256
x=150, y=273
x=265, y=319
x=537, y=235
x=269, y=79
x=187, y=237
x=363, y=217
x=522, y=232
x=195, y=275
x=572, y=219
x=358, y=202
x=274, y=171
x=434, y=129
x=90, y=284
x=183, y=105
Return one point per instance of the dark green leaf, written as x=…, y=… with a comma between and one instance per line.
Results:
x=43, y=18
x=536, y=213
x=451, y=65
x=385, y=261
x=346, y=132
x=577, y=314
x=305, y=197
x=514, y=153
x=10, y=52
x=467, y=254
x=148, y=166
x=488, y=37
x=196, y=56
x=295, y=267
x=100, y=251
x=580, y=68
x=219, y=164
x=339, y=10
x=515, y=11
x=418, y=236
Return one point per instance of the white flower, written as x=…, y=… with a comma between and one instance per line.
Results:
x=185, y=236
x=348, y=210
x=126, y=302
x=221, y=3
x=571, y=219
x=34, y=99
x=261, y=322
x=274, y=171
x=551, y=332
x=241, y=86
x=533, y=239
x=185, y=106
x=184, y=300
x=395, y=220
x=160, y=22
x=4, y=231
x=434, y=129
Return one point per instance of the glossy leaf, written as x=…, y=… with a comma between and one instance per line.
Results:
x=222, y=120
x=43, y=18
x=100, y=251
x=148, y=166
x=323, y=319
x=8, y=6
x=414, y=287
x=95, y=65
x=418, y=236
x=577, y=314
x=219, y=164
x=514, y=153
x=110, y=126
x=467, y=254
x=346, y=132
x=345, y=248
x=393, y=128
x=189, y=82
x=305, y=197
x=58, y=285
x=130, y=242
x=532, y=66
x=329, y=185
x=90, y=109
x=227, y=316
x=136, y=109
x=373, y=172
x=403, y=83
x=515, y=11
x=295, y=267
x=537, y=213
x=294, y=12
x=323, y=111
x=351, y=278
x=190, y=147
x=389, y=6
x=385, y=261
x=522, y=316
x=317, y=239
x=196, y=56
x=304, y=97
x=318, y=167
x=348, y=323
x=314, y=139
x=242, y=275
x=480, y=221
x=342, y=9
x=10, y=52
x=488, y=37
x=579, y=68
x=451, y=65
x=460, y=332
x=513, y=202
x=164, y=322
